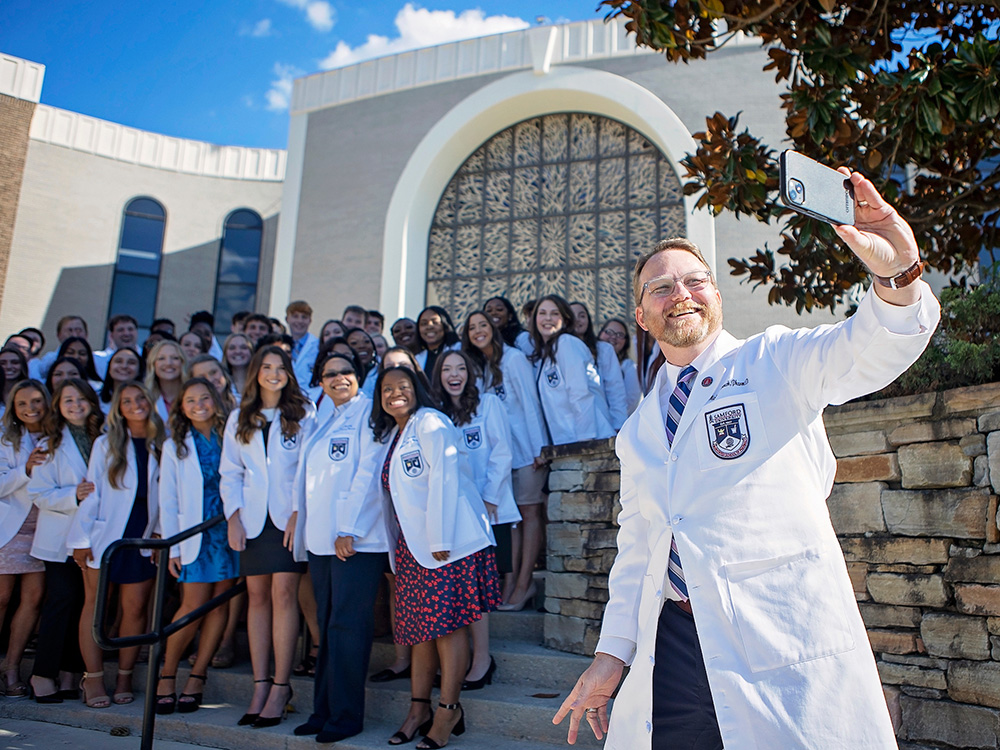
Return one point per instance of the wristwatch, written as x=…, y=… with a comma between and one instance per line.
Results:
x=906, y=278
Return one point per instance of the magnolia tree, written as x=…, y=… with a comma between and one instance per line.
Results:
x=905, y=92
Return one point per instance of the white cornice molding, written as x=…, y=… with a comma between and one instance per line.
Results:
x=571, y=43
x=21, y=79
x=91, y=135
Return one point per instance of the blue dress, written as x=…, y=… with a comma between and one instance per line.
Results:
x=216, y=560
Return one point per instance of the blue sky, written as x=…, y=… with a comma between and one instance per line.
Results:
x=222, y=72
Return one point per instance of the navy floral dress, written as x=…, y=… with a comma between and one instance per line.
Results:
x=433, y=603
x=216, y=560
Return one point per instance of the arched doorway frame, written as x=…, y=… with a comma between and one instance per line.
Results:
x=488, y=111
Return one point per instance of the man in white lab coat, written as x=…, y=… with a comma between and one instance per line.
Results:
x=729, y=598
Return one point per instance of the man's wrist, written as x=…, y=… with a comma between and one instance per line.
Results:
x=903, y=279
x=601, y=655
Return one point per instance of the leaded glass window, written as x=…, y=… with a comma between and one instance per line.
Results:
x=559, y=204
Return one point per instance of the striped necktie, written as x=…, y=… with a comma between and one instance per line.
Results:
x=678, y=400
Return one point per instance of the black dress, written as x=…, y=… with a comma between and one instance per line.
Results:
x=130, y=565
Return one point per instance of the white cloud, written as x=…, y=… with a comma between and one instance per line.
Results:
x=262, y=28
x=279, y=96
x=418, y=28
x=319, y=13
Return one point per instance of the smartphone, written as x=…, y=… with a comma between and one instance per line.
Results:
x=816, y=190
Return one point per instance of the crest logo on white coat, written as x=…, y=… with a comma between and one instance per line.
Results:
x=338, y=448
x=288, y=442
x=413, y=464
x=473, y=437
x=552, y=377
x=501, y=392
x=728, y=432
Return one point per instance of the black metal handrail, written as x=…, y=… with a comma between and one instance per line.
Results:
x=160, y=632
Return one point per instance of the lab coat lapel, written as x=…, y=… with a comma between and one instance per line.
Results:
x=76, y=463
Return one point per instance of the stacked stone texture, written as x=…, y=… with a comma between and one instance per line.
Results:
x=915, y=506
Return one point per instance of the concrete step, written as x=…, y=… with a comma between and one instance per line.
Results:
x=215, y=724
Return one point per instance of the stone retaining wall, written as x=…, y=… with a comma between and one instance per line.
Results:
x=915, y=507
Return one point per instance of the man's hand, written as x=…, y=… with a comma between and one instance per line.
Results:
x=592, y=690
x=881, y=239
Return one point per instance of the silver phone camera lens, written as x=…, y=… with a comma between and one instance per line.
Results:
x=796, y=191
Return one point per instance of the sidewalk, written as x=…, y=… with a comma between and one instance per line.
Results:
x=36, y=735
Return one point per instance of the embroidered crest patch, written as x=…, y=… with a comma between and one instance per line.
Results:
x=288, y=442
x=501, y=392
x=413, y=464
x=552, y=377
x=728, y=433
x=473, y=437
x=338, y=448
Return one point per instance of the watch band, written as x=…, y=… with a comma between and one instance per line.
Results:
x=906, y=278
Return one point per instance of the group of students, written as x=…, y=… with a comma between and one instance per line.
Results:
x=334, y=455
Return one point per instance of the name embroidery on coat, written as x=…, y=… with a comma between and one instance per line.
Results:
x=728, y=432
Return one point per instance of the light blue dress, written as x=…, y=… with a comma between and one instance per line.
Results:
x=216, y=560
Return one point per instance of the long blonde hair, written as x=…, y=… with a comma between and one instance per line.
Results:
x=118, y=434
x=152, y=382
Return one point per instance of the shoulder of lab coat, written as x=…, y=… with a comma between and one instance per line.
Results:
x=305, y=359
x=53, y=484
x=579, y=412
x=496, y=484
x=182, y=498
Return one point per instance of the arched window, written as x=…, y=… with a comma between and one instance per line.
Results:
x=137, y=270
x=239, y=261
x=563, y=203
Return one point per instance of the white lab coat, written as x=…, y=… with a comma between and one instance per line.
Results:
x=486, y=445
x=571, y=395
x=743, y=493
x=434, y=493
x=519, y=396
x=303, y=362
x=633, y=391
x=260, y=484
x=53, y=489
x=104, y=513
x=421, y=357
x=336, y=486
x=613, y=384
x=182, y=497
x=15, y=500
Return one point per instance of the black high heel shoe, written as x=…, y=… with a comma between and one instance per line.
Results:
x=165, y=704
x=193, y=702
x=249, y=719
x=429, y=744
x=400, y=738
x=263, y=722
x=486, y=679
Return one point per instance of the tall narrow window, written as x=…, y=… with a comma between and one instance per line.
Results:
x=239, y=261
x=137, y=271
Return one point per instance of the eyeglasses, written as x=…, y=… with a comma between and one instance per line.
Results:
x=335, y=373
x=614, y=334
x=663, y=286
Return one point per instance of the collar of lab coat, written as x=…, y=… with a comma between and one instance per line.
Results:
x=711, y=364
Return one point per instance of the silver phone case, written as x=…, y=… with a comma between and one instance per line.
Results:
x=825, y=193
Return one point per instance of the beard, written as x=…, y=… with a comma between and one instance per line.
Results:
x=688, y=330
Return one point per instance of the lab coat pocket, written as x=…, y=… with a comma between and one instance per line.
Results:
x=789, y=609
x=730, y=432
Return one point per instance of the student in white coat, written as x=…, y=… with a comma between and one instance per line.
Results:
x=209, y=368
x=164, y=375
x=298, y=316
x=608, y=366
x=205, y=564
x=504, y=316
x=57, y=487
x=615, y=333
x=260, y=455
x=736, y=503
x=236, y=353
x=124, y=468
x=446, y=575
x=124, y=366
x=20, y=453
x=364, y=347
x=486, y=445
x=569, y=386
x=435, y=334
x=340, y=528
x=506, y=373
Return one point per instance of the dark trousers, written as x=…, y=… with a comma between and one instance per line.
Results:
x=683, y=712
x=345, y=603
x=59, y=621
